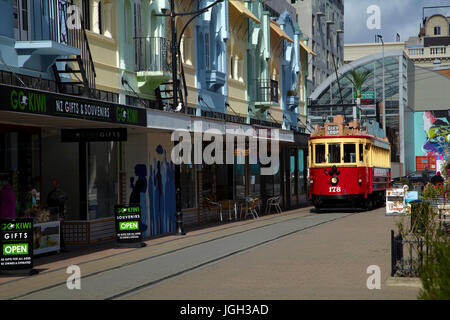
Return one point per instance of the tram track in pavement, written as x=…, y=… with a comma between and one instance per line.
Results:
x=232, y=226
x=171, y=255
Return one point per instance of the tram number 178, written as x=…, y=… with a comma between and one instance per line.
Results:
x=335, y=189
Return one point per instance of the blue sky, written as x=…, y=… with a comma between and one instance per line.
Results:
x=396, y=16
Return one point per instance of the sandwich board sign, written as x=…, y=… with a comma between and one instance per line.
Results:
x=128, y=224
x=16, y=244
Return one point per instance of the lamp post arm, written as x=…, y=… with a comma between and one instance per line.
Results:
x=196, y=14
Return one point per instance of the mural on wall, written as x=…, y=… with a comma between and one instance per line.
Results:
x=137, y=196
x=437, y=130
x=154, y=191
x=161, y=192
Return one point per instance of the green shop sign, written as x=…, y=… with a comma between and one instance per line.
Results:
x=366, y=95
x=16, y=243
x=15, y=249
x=128, y=224
x=24, y=100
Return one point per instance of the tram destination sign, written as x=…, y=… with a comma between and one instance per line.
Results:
x=128, y=224
x=31, y=101
x=16, y=244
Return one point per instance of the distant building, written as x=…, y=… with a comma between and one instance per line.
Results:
x=429, y=48
x=322, y=21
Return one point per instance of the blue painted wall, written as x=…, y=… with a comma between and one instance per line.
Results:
x=212, y=75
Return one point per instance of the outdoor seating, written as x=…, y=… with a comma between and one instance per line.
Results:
x=227, y=205
x=273, y=202
x=209, y=204
x=250, y=208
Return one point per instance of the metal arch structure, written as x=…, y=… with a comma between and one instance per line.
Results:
x=342, y=71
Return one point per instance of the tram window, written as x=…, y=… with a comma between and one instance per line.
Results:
x=349, y=153
x=361, y=152
x=334, y=153
x=320, y=153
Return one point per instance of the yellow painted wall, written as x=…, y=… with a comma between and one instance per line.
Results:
x=104, y=47
x=435, y=21
x=236, y=48
x=187, y=47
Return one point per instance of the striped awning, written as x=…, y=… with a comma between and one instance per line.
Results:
x=275, y=27
x=304, y=46
x=243, y=10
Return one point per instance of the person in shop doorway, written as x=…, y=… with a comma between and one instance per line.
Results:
x=437, y=179
x=425, y=176
x=139, y=188
x=7, y=202
x=57, y=199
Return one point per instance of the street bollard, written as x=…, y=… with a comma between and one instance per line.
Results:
x=179, y=216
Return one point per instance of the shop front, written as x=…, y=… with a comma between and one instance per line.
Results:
x=294, y=167
x=62, y=157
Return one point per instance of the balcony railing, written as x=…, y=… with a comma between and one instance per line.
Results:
x=152, y=54
x=47, y=23
x=266, y=91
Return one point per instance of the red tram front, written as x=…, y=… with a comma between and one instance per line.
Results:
x=348, y=167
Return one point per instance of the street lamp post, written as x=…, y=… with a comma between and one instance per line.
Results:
x=174, y=52
x=384, y=102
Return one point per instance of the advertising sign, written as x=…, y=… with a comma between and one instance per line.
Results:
x=395, y=202
x=16, y=244
x=91, y=135
x=128, y=224
x=46, y=237
x=30, y=101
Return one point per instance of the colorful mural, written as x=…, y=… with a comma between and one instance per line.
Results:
x=154, y=191
x=436, y=125
x=161, y=193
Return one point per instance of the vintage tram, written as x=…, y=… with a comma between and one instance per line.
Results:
x=348, y=167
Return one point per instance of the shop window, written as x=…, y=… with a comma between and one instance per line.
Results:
x=320, y=153
x=102, y=179
x=20, y=171
x=349, y=153
x=334, y=153
x=187, y=181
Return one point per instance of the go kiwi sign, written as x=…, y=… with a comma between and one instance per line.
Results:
x=24, y=100
x=128, y=223
x=16, y=244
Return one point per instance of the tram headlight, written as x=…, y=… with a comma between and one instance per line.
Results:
x=359, y=180
x=334, y=180
x=311, y=181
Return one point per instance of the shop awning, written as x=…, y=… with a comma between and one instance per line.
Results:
x=243, y=10
x=304, y=46
x=277, y=29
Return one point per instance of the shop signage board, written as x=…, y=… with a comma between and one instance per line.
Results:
x=16, y=244
x=395, y=202
x=94, y=135
x=46, y=237
x=128, y=224
x=31, y=101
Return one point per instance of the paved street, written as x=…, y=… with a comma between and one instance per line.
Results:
x=295, y=255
